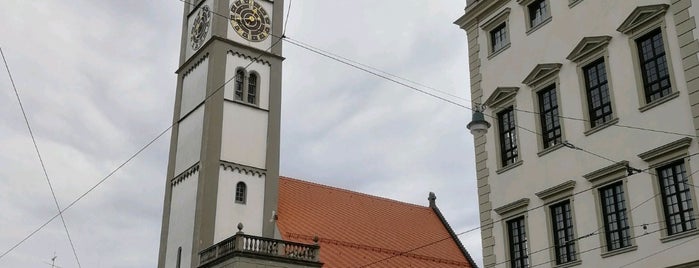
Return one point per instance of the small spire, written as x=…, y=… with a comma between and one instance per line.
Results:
x=432, y=199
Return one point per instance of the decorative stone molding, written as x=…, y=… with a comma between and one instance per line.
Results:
x=196, y=64
x=557, y=192
x=250, y=58
x=513, y=208
x=587, y=46
x=607, y=174
x=243, y=169
x=666, y=152
x=500, y=95
x=642, y=15
x=541, y=72
x=185, y=174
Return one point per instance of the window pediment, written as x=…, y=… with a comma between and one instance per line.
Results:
x=500, y=95
x=587, y=46
x=558, y=191
x=640, y=16
x=541, y=72
x=497, y=19
x=513, y=208
x=608, y=173
x=668, y=151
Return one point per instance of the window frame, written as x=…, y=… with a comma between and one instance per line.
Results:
x=542, y=77
x=603, y=177
x=239, y=84
x=238, y=193
x=528, y=21
x=503, y=17
x=636, y=29
x=512, y=211
x=539, y=93
x=522, y=220
x=678, y=194
x=590, y=50
x=568, y=229
x=661, y=156
x=605, y=215
x=552, y=196
x=655, y=59
x=256, y=94
x=500, y=142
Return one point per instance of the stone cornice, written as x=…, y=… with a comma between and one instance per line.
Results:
x=563, y=189
x=195, y=65
x=642, y=15
x=250, y=58
x=613, y=171
x=243, y=169
x=513, y=208
x=185, y=174
x=477, y=11
x=681, y=144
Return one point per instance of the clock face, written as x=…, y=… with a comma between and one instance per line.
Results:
x=200, y=27
x=250, y=20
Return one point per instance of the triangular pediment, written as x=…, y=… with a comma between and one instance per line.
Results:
x=587, y=46
x=541, y=72
x=642, y=15
x=501, y=95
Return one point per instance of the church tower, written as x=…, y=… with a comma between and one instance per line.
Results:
x=224, y=152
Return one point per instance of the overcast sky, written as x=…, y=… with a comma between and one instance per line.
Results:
x=97, y=82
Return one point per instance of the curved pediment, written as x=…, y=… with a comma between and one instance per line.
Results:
x=640, y=16
x=500, y=95
x=540, y=72
x=587, y=46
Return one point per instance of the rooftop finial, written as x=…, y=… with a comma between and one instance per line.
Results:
x=432, y=198
x=240, y=227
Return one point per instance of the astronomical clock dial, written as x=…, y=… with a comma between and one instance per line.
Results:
x=250, y=20
x=200, y=27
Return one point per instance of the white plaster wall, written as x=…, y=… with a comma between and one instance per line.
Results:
x=263, y=45
x=190, y=21
x=234, y=62
x=181, y=226
x=229, y=213
x=194, y=87
x=244, y=138
x=189, y=140
x=561, y=35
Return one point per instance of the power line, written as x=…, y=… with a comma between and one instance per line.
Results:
x=38, y=153
x=129, y=159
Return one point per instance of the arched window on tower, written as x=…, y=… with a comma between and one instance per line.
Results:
x=240, y=193
x=252, y=88
x=239, y=77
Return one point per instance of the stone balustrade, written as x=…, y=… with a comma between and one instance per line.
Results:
x=242, y=243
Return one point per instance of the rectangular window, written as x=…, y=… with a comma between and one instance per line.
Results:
x=518, y=243
x=548, y=112
x=677, y=199
x=656, y=76
x=599, y=104
x=498, y=37
x=538, y=13
x=563, y=236
x=616, y=225
x=508, y=136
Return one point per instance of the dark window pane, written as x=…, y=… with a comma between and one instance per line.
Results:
x=518, y=243
x=654, y=67
x=677, y=198
x=564, y=240
x=548, y=111
x=616, y=226
x=508, y=136
x=599, y=103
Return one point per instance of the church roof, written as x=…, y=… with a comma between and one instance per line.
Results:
x=356, y=229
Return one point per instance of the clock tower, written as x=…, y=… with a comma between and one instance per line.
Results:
x=224, y=152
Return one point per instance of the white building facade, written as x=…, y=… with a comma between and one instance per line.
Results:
x=593, y=155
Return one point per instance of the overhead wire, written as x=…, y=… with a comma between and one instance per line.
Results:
x=41, y=160
x=148, y=144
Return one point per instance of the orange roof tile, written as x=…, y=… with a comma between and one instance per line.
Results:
x=356, y=229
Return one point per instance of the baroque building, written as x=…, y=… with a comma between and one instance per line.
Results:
x=225, y=204
x=593, y=150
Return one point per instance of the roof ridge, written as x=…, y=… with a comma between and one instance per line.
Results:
x=355, y=192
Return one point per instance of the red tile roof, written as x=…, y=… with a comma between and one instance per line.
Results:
x=356, y=229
